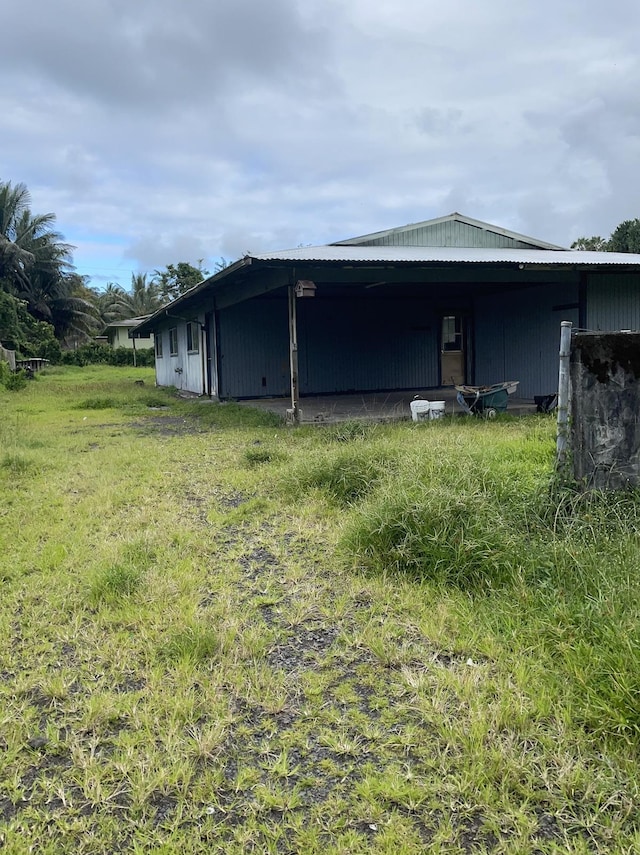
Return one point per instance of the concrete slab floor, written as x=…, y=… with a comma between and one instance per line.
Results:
x=372, y=406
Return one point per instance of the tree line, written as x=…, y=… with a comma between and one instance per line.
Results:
x=624, y=238
x=45, y=305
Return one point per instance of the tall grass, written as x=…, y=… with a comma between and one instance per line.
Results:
x=552, y=573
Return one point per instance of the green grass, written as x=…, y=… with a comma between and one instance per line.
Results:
x=221, y=635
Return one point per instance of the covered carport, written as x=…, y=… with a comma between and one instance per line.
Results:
x=368, y=320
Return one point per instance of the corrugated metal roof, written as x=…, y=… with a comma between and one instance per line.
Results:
x=458, y=255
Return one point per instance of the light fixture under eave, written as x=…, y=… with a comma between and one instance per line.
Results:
x=305, y=288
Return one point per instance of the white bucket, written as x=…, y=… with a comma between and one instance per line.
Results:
x=420, y=410
x=436, y=409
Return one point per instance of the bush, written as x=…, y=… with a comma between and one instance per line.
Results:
x=16, y=381
x=102, y=354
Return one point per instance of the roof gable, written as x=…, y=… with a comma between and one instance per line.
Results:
x=454, y=230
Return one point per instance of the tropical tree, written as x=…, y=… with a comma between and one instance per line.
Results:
x=178, y=278
x=625, y=237
x=36, y=267
x=114, y=303
x=595, y=243
x=19, y=232
x=144, y=296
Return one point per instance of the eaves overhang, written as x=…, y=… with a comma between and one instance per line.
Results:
x=182, y=302
x=353, y=257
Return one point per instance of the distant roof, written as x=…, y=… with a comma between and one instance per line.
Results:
x=127, y=322
x=450, y=218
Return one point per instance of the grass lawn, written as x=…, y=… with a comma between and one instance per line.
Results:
x=218, y=634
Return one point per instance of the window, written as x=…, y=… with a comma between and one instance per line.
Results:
x=193, y=337
x=452, y=332
x=158, y=342
x=173, y=341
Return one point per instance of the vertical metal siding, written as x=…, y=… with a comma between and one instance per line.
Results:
x=517, y=336
x=254, y=344
x=450, y=233
x=613, y=301
x=365, y=344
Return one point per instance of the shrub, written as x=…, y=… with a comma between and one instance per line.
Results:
x=16, y=381
x=102, y=354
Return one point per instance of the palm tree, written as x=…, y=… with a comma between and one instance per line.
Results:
x=144, y=297
x=116, y=304
x=36, y=266
x=18, y=230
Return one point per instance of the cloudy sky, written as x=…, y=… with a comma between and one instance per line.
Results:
x=161, y=131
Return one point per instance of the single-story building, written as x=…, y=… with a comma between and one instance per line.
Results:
x=446, y=301
x=117, y=334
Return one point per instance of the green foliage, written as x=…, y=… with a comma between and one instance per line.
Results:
x=429, y=531
x=346, y=476
x=36, y=267
x=16, y=381
x=16, y=463
x=351, y=430
x=20, y=331
x=100, y=403
x=175, y=279
x=625, y=237
x=114, y=303
x=194, y=643
x=257, y=456
x=115, y=582
x=102, y=354
x=592, y=244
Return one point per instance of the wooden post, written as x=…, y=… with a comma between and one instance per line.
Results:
x=563, y=394
x=293, y=355
x=135, y=362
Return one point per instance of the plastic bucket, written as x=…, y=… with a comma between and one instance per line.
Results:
x=436, y=409
x=420, y=410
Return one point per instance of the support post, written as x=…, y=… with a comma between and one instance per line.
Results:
x=294, y=413
x=135, y=361
x=563, y=394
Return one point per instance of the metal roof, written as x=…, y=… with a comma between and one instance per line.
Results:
x=425, y=255
x=451, y=255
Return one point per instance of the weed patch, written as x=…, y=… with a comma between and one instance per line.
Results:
x=194, y=644
x=344, y=477
x=113, y=583
x=98, y=403
x=16, y=463
x=253, y=457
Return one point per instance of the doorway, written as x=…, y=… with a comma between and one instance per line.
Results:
x=452, y=355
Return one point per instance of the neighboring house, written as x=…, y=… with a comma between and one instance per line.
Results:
x=449, y=300
x=117, y=334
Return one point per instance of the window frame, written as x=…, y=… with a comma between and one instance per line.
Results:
x=158, y=345
x=193, y=337
x=173, y=341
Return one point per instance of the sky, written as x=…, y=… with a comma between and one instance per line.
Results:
x=161, y=131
